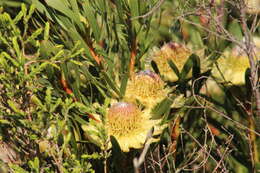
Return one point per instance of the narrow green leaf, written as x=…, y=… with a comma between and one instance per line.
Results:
x=80, y=120
x=62, y=6
x=174, y=68
x=18, y=17
x=16, y=47
x=235, y=29
x=17, y=168
x=58, y=55
x=24, y=9
x=48, y=96
x=46, y=31
x=192, y=62
x=196, y=38
x=41, y=8
x=196, y=66
x=111, y=83
x=75, y=7
x=89, y=13
x=120, y=10
x=83, y=108
x=77, y=37
x=123, y=84
x=116, y=150
x=134, y=8
x=37, y=101
x=161, y=108
x=155, y=67
x=31, y=11
x=14, y=106
x=4, y=122
x=53, y=107
x=34, y=35
x=38, y=69
x=14, y=62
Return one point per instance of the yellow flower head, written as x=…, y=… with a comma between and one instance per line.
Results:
x=146, y=87
x=233, y=64
x=172, y=51
x=129, y=125
x=253, y=6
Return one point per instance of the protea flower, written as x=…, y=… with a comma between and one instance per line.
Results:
x=233, y=64
x=253, y=6
x=129, y=125
x=146, y=87
x=171, y=51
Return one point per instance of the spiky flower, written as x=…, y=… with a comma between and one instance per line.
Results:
x=129, y=125
x=146, y=87
x=253, y=6
x=232, y=66
x=171, y=51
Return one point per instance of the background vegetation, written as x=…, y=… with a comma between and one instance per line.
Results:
x=64, y=61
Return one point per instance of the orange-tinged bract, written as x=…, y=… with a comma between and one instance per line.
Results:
x=171, y=51
x=129, y=125
x=146, y=87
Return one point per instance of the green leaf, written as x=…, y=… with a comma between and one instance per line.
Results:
x=193, y=62
x=117, y=154
x=155, y=67
x=18, y=17
x=161, y=108
x=24, y=9
x=34, y=35
x=16, y=47
x=4, y=122
x=235, y=29
x=123, y=84
x=14, y=106
x=120, y=10
x=35, y=165
x=111, y=83
x=37, y=101
x=174, y=68
x=196, y=38
x=41, y=8
x=89, y=13
x=80, y=120
x=31, y=11
x=257, y=166
x=62, y=6
x=46, y=31
x=17, y=169
x=134, y=8
x=54, y=106
x=48, y=96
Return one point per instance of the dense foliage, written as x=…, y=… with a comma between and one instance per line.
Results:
x=129, y=86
